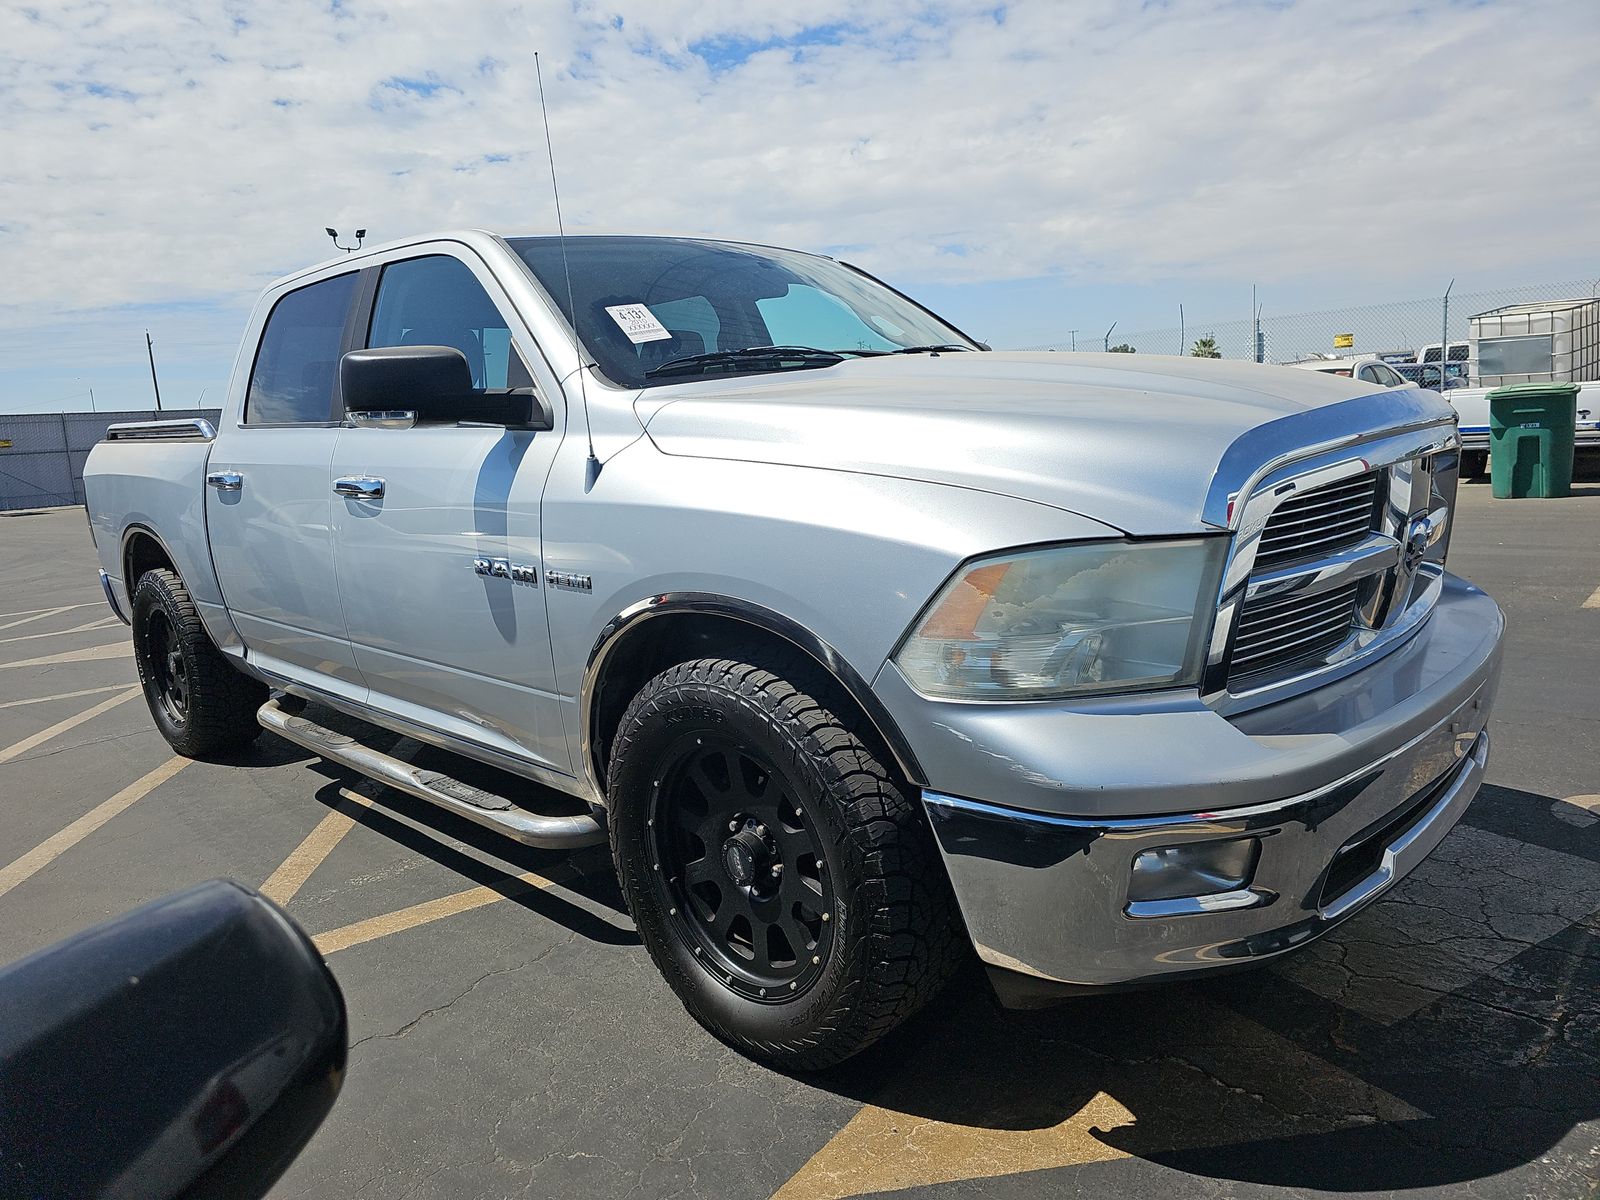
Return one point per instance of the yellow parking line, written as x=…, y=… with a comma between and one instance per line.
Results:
x=60, y=727
x=93, y=654
x=29, y=637
x=881, y=1150
x=896, y=1143
x=114, y=687
x=426, y=913
x=37, y=615
x=305, y=858
x=47, y=851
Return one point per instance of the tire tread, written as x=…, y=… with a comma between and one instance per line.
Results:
x=909, y=921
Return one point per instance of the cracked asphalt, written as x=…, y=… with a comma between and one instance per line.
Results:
x=510, y=1037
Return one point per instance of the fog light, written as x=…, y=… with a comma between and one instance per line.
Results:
x=1193, y=869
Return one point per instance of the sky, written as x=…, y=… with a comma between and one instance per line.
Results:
x=1026, y=168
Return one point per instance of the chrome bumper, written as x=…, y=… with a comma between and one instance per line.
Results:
x=1046, y=897
x=110, y=590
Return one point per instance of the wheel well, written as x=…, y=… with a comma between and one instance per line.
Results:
x=143, y=553
x=673, y=638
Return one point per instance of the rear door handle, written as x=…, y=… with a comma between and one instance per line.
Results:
x=359, y=487
x=225, y=481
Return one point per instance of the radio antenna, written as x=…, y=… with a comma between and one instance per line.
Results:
x=592, y=471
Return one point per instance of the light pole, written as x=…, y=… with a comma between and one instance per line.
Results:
x=334, y=234
x=1444, y=338
x=1074, y=334
x=1107, y=345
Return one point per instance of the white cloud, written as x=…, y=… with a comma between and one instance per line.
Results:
x=153, y=153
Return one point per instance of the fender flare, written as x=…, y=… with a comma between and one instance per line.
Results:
x=758, y=616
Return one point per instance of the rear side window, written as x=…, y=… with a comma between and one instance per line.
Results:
x=297, y=366
x=437, y=301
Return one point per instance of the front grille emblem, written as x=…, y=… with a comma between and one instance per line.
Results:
x=1416, y=545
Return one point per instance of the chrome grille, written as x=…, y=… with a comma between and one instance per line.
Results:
x=1320, y=522
x=1275, y=633
x=1272, y=634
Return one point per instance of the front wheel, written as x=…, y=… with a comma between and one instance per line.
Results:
x=201, y=703
x=784, y=884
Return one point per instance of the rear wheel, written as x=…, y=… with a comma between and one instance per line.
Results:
x=782, y=880
x=201, y=703
x=1474, y=464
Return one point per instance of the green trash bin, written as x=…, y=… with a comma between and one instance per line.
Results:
x=1530, y=439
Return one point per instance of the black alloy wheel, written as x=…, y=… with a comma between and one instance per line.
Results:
x=783, y=880
x=199, y=700
x=744, y=873
x=169, y=676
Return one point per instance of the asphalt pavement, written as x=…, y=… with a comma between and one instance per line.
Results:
x=511, y=1038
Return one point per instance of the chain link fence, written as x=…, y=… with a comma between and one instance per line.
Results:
x=1403, y=326
x=42, y=454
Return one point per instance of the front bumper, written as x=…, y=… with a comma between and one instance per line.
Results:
x=1045, y=895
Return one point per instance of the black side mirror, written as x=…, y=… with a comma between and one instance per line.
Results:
x=435, y=384
x=188, y=1048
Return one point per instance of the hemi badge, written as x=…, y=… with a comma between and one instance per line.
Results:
x=568, y=581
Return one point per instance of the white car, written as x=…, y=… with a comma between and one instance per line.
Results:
x=1366, y=370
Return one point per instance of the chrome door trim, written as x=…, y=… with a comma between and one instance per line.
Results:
x=225, y=481
x=359, y=487
x=187, y=429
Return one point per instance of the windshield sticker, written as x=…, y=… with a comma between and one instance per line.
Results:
x=638, y=322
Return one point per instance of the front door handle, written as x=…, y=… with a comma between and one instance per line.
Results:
x=225, y=481
x=359, y=487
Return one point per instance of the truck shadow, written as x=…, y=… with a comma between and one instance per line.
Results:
x=1256, y=1078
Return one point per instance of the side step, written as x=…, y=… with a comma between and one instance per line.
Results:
x=463, y=799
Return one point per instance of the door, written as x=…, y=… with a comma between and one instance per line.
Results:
x=268, y=497
x=439, y=560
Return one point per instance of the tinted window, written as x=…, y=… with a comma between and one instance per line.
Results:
x=297, y=365
x=437, y=301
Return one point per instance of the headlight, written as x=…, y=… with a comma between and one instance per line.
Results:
x=1071, y=620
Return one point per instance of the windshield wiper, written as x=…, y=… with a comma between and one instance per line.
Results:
x=936, y=349
x=768, y=358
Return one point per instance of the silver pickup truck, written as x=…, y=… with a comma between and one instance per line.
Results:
x=860, y=643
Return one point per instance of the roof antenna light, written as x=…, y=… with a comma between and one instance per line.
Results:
x=361, y=235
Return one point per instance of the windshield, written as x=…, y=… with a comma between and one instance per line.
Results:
x=644, y=302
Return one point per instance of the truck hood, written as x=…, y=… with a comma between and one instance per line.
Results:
x=1132, y=443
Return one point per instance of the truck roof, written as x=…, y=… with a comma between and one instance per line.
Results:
x=484, y=238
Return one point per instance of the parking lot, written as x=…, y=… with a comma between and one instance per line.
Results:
x=510, y=1036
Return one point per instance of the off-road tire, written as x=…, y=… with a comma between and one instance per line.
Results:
x=895, y=937
x=219, y=713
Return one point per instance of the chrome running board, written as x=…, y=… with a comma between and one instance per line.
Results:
x=474, y=803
